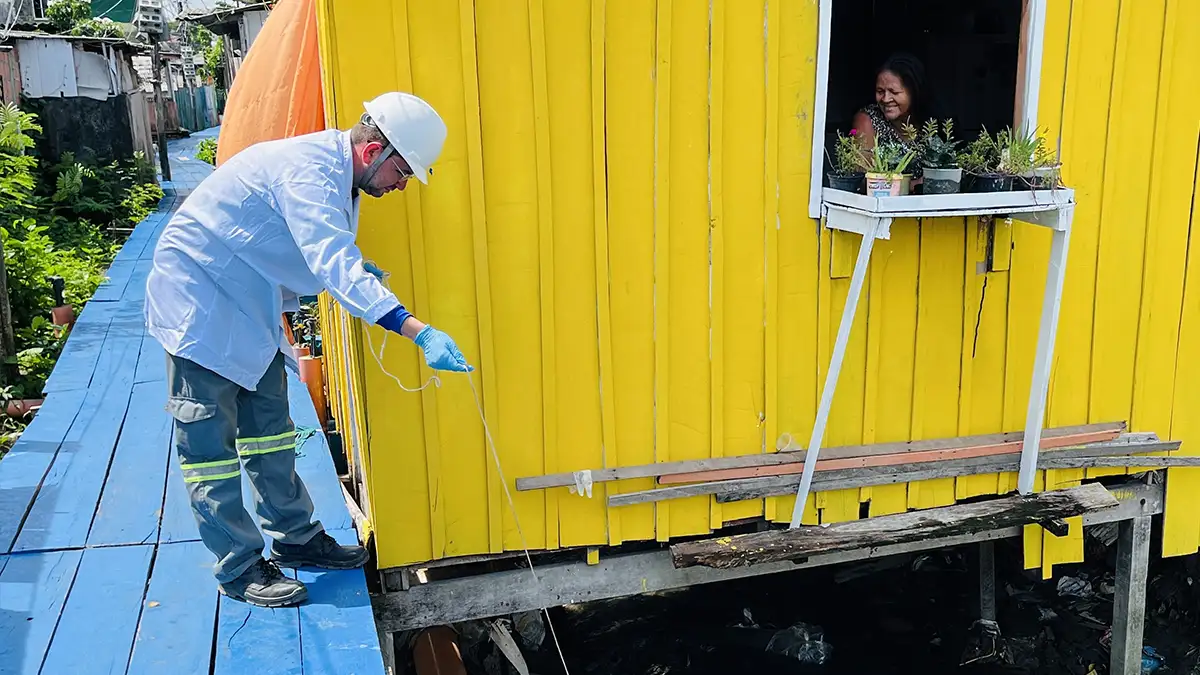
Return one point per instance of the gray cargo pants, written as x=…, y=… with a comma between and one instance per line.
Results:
x=221, y=427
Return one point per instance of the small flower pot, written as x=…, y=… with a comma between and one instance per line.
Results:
x=887, y=184
x=1041, y=178
x=992, y=182
x=849, y=182
x=942, y=181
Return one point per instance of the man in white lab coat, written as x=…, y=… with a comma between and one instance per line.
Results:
x=274, y=222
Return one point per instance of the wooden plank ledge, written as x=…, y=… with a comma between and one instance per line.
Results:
x=792, y=455
x=960, y=519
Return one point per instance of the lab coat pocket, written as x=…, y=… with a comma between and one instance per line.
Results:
x=187, y=410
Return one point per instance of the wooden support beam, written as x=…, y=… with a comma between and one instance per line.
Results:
x=1129, y=601
x=960, y=519
x=987, y=580
x=793, y=455
x=893, y=459
x=1120, y=452
x=466, y=598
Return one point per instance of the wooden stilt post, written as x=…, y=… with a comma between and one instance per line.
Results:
x=987, y=581
x=1129, y=602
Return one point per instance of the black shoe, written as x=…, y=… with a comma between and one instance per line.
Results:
x=320, y=551
x=264, y=585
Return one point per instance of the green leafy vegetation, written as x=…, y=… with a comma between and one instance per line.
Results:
x=207, y=151
x=60, y=220
x=74, y=17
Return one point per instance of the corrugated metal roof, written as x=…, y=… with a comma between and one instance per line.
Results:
x=37, y=35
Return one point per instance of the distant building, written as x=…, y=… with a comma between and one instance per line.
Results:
x=237, y=26
x=85, y=91
x=22, y=12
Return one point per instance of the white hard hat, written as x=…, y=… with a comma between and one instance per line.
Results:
x=413, y=128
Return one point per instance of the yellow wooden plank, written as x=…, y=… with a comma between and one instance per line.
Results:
x=608, y=415
x=842, y=255
x=1095, y=354
x=980, y=399
x=421, y=302
x=1124, y=208
x=450, y=279
x=771, y=223
x=893, y=324
x=872, y=304
x=662, y=253
x=799, y=241
x=497, y=503
x=939, y=346
x=716, y=221
x=743, y=133
x=1030, y=245
x=1180, y=536
x=846, y=418
x=690, y=397
x=410, y=494
x=1165, y=384
x=580, y=436
x=546, y=277
x=630, y=91
x=509, y=138
x=827, y=318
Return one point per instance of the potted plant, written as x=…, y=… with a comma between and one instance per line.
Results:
x=980, y=161
x=848, y=160
x=886, y=165
x=1046, y=169
x=942, y=173
x=1016, y=150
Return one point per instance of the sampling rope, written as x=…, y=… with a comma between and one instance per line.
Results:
x=512, y=505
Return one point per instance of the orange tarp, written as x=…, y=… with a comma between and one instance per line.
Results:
x=277, y=91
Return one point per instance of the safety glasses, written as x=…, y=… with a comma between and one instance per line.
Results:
x=405, y=174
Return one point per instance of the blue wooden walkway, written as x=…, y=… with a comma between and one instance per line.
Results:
x=101, y=567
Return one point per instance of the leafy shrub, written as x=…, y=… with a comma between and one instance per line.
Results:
x=31, y=258
x=118, y=194
x=207, y=151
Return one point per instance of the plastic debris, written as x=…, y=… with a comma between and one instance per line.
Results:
x=1151, y=660
x=498, y=630
x=531, y=628
x=1075, y=586
x=802, y=642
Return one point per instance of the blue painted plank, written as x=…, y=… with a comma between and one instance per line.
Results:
x=3, y=562
x=314, y=464
x=107, y=593
x=80, y=354
x=132, y=502
x=178, y=523
x=26, y=464
x=152, y=363
x=62, y=513
x=176, y=631
x=116, y=278
x=337, y=625
x=33, y=589
x=257, y=640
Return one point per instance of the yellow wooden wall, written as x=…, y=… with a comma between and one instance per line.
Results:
x=617, y=237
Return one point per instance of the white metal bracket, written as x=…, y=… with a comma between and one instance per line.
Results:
x=872, y=217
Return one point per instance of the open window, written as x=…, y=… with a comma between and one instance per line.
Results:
x=982, y=61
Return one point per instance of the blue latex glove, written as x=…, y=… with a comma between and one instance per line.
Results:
x=372, y=269
x=440, y=351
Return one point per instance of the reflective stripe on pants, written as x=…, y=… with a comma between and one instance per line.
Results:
x=221, y=428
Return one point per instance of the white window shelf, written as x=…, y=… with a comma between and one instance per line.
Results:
x=872, y=217
x=854, y=212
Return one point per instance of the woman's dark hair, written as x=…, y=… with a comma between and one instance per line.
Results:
x=911, y=72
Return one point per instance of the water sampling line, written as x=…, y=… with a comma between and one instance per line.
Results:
x=512, y=505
